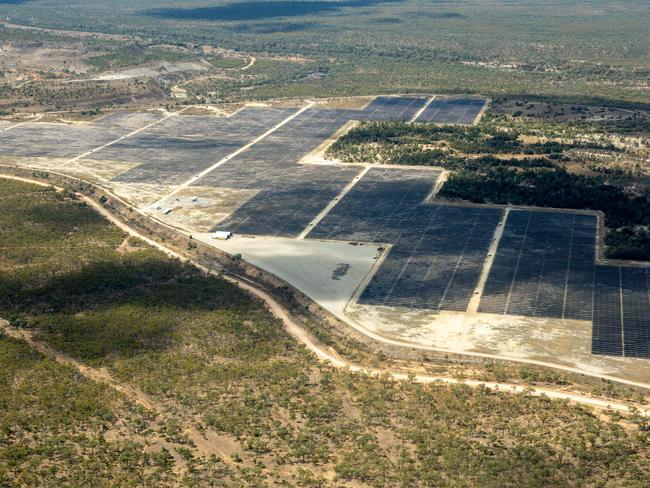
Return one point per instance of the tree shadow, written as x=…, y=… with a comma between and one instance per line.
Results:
x=256, y=10
x=119, y=308
x=272, y=27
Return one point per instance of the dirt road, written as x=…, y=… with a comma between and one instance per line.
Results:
x=178, y=89
x=206, y=445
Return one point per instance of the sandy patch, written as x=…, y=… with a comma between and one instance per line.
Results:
x=151, y=71
x=199, y=208
x=138, y=194
x=328, y=272
x=32, y=162
x=562, y=342
x=349, y=103
x=99, y=171
x=41, y=57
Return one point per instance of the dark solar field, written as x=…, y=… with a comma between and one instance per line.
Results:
x=176, y=149
x=545, y=267
x=391, y=108
x=180, y=146
x=438, y=250
x=68, y=141
x=621, y=312
x=452, y=111
x=290, y=195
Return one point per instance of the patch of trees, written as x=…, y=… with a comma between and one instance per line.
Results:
x=407, y=143
x=628, y=243
x=135, y=55
x=550, y=188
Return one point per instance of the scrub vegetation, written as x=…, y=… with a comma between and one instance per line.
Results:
x=589, y=50
x=217, y=361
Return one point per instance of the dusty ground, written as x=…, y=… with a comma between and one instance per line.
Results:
x=152, y=71
x=562, y=342
x=99, y=171
x=350, y=103
x=328, y=272
x=198, y=209
x=26, y=61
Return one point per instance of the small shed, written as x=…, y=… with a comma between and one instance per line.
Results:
x=222, y=235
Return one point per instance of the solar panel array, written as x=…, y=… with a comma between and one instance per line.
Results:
x=438, y=250
x=55, y=140
x=607, y=331
x=292, y=195
x=452, y=110
x=180, y=146
x=621, y=312
x=392, y=108
x=635, y=291
x=174, y=150
x=543, y=266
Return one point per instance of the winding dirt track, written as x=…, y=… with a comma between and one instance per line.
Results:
x=252, y=60
x=330, y=356
x=206, y=444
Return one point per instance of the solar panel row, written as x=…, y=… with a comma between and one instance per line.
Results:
x=392, y=108
x=636, y=311
x=621, y=312
x=545, y=267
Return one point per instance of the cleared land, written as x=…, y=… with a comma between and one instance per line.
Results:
x=437, y=250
